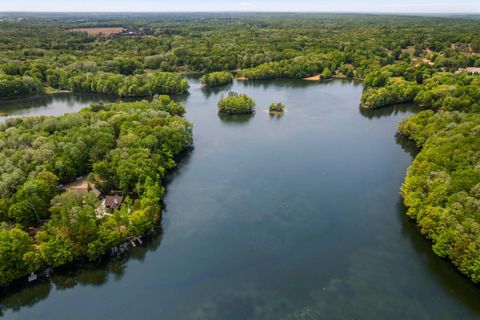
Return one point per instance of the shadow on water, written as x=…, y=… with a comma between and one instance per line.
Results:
x=27, y=103
x=68, y=101
x=409, y=146
x=208, y=92
x=388, y=111
x=455, y=283
x=450, y=279
x=88, y=274
x=276, y=115
x=294, y=83
x=236, y=119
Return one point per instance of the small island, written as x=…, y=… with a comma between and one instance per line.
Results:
x=276, y=108
x=216, y=79
x=236, y=103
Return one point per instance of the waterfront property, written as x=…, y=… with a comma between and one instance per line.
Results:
x=113, y=202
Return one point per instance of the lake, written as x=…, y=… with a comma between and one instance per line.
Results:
x=291, y=217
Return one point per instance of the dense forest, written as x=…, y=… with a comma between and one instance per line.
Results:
x=423, y=86
x=130, y=146
x=124, y=146
x=256, y=47
x=442, y=187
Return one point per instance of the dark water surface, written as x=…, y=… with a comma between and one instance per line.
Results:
x=293, y=217
x=53, y=105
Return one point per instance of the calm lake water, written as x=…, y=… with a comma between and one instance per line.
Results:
x=54, y=105
x=293, y=217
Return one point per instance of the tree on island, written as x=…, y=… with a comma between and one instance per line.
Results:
x=278, y=107
x=216, y=79
x=236, y=103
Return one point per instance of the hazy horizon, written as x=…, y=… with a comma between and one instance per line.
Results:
x=301, y=6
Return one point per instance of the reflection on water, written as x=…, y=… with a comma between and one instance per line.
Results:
x=94, y=275
x=276, y=115
x=460, y=287
x=235, y=118
x=295, y=84
x=55, y=104
x=388, y=111
x=215, y=90
x=297, y=217
x=407, y=145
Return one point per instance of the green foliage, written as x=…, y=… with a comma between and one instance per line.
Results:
x=442, y=187
x=277, y=107
x=123, y=66
x=31, y=201
x=126, y=146
x=236, y=103
x=396, y=90
x=16, y=253
x=296, y=68
x=216, y=79
x=295, y=47
x=422, y=85
x=124, y=86
x=18, y=86
x=450, y=92
x=326, y=74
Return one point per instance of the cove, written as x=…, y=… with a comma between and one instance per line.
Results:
x=292, y=217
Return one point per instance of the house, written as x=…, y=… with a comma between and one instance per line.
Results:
x=113, y=202
x=110, y=203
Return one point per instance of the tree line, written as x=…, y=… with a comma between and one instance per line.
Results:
x=442, y=186
x=259, y=47
x=216, y=79
x=423, y=86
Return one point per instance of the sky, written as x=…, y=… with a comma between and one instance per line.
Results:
x=388, y=6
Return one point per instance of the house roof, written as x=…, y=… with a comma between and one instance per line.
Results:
x=113, y=201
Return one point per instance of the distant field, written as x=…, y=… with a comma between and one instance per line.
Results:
x=105, y=31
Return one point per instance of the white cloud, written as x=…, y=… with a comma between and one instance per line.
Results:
x=244, y=4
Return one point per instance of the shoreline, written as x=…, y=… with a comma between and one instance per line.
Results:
x=34, y=96
x=116, y=252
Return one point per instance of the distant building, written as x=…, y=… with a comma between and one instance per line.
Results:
x=129, y=33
